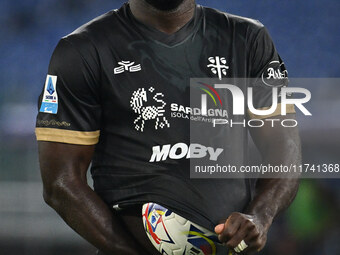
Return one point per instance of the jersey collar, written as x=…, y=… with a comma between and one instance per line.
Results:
x=155, y=35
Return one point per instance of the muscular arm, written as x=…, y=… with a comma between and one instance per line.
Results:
x=278, y=145
x=63, y=171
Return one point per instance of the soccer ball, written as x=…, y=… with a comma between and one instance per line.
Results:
x=172, y=234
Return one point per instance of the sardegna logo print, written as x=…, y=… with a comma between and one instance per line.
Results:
x=152, y=113
x=151, y=107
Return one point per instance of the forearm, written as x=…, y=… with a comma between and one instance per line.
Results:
x=273, y=195
x=247, y=232
x=85, y=212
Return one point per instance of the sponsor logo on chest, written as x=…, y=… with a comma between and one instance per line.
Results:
x=127, y=66
x=182, y=150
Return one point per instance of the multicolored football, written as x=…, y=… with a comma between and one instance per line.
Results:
x=172, y=234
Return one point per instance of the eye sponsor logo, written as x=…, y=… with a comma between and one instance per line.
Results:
x=275, y=74
x=182, y=150
x=49, y=102
x=127, y=66
x=154, y=112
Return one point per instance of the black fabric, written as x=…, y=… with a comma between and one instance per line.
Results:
x=151, y=33
x=95, y=95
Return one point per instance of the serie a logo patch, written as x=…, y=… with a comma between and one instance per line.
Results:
x=49, y=102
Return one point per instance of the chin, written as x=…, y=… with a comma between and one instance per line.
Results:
x=165, y=5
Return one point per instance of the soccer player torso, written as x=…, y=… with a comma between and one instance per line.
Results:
x=135, y=90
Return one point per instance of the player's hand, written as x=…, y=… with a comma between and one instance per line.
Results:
x=248, y=229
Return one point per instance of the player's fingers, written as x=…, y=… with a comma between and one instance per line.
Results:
x=250, y=246
x=246, y=229
x=253, y=233
x=231, y=226
x=219, y=228
x=255, y=244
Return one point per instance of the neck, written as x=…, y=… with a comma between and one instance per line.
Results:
x=165, y=21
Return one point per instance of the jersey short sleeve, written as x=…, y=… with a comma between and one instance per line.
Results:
x=69, y=108
x=267, y=71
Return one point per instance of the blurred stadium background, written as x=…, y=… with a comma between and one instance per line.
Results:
x=307, y=36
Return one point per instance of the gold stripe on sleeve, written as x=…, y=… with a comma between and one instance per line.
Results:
x=67, y=136
x=289, y=109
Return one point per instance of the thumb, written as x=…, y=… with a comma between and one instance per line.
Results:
x=219, y=228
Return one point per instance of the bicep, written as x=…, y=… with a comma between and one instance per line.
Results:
x=60, y=162
x=274, y=137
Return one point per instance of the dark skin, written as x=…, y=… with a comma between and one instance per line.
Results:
x=167, y=22
x=63, y=171
x=64, y=167
x=277, y=146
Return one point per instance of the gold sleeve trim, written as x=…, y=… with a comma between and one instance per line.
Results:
x=67, y=136
x=289, y=109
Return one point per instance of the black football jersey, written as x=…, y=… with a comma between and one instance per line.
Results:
x=125, y=87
